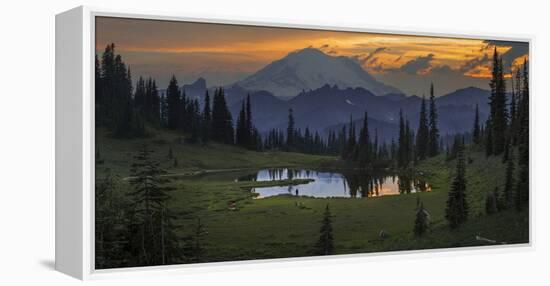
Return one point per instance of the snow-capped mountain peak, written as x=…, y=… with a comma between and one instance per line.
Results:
x=309, y=69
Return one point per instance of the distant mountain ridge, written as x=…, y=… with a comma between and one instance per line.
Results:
x=456, y=112
x=330, y=106
x=325, y=91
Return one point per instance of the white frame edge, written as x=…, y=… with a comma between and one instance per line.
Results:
x=75, y=146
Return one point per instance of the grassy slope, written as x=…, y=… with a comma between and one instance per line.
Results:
x=288, y=226
x=119, y=153
x=482, y=175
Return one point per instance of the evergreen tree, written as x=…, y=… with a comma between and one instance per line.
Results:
x=350, y=146
x=222, y=122
x=105, y=87
x=249, y=127
x=173, y=104
x=256, y=141
x=512, y=132
x=488, y=138
x=393, y=150
x=458, y=143
x=139, y=95
x=422, y=221
x=433, y=143
x=153, y=102
x=409, y=148
x=241, y=136
x=195, y=121
x=308, y=141
x=114, y=96
x=522, y=188
x=476, y=132
x=325, y=245
x=170, y=249
x=290, y=130
x=127, y=122
x=98, y=87
x=152, y=232
x=364, y=143
x=185, y=114
x=246, y=134
x=342, y=141
x=110, y=232
x=206, y=119
x=456, y=212
x=146, y=100
x=423, y=133
x=491, y=203
x=402, y=142
x=163, y=111
x=375, y=146
x=497, y=102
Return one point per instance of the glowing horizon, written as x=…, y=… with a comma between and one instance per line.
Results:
x=224, y=53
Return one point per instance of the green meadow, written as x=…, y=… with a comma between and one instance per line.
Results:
x=239, y=226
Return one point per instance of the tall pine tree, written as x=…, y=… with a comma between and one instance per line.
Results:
x=325, y=245
x=173, y=104
x=522, y=188
x=206, y=119
x=476, y=132
x=241, y=136
x=423, y=133
x=364, y=143
x=290, y=130
x=497, y=102
x=153, y=240
x=222, y=122
x=248, y=126
x=402, y=143
x=456, y=212
x=433, y=144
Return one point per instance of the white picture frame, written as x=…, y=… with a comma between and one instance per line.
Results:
x=74, y=167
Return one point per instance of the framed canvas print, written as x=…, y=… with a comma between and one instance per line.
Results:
x=190, y=141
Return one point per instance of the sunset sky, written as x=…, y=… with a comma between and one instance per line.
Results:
x=223, y=54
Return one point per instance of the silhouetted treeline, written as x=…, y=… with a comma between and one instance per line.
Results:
x=294, y=140
x=183, y=114
x=246, y=134
x=115, y=107
x=507, y=133
x=366, y=151
x=129, y=113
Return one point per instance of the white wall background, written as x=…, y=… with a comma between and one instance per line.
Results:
x=27, y=142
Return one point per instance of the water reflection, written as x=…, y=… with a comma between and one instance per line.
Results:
x=349, y=184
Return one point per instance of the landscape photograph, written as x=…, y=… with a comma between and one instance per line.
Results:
x=221, y=142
